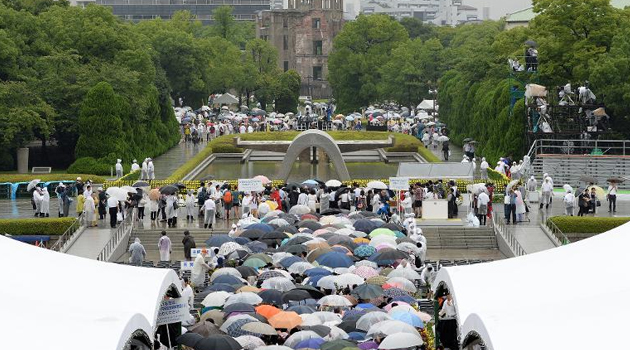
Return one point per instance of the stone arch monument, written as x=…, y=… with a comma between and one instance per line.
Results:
x=314, y=138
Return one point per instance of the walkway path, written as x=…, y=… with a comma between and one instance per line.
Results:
x=91, y=241
x=168, y=162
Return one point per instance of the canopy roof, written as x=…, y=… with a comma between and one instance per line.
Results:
x=569, y=297
x=444, y=171
x=56, y=301
x=428, y=105
x=227, y=99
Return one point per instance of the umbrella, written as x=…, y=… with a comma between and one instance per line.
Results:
x=387, y=256
x=274, y=347
x=288, y=261
x=229, y=247
x=154, y=194
x=382, y=231
x=265, y=180
x=261, y=227
x=368, y=345
x=117, y=192
x=282, y=284
x=338, y=345
x=377, y=185
x=601, y=194
x=246, y=271
x=366, y=272
x=229, y=280
x=312, y=343
x=214, y=315
x=409, y=318
x=317, y=271
x=334, y=300
x=301, y=309
x=335, y=259
x=218, y=240
x=250, y=342
x=239, y=307
x=371, y=318
x=295, y=295
x=364, y=225
x=531, y=43
x=466, y=140
x=393, y=292
x=299, y=337
x=215, y=299
x=615, y=180
x=267, y=311
x=260, y=328
x=32, y=184
x=140, y=184
x=588, y=179
x=248, y=289
x=285, y=320
x=368, y=291
x=217, y=341
x=255, y=262
x=333, y=183
x=189, y=339
x=252, y=233
x=443, y=138
x=205, y=329
x=391, y=327
x=170, y=189
x=299, y=210
x=245, y=297
x=235, y=329
x=300, y=267
x=271, y=296
x=409, y=274
x=401, y=341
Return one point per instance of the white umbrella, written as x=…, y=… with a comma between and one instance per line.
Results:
x=443, y=138
x=299, y=210
x=282, y=284
x=403, y=284
x=408, y=247
x=366, y=263
x=277, y=257
x=245, y=297
x=401, y=341
x=32, y=184
x=333, y=183
x=249, y=342
x=336, y=333
x=408, y=274
x=348, y=279
x=377, y=185
x=229, y=247
x=380, y=239
x=297, y=337
x=260, y=328
x=328, y=317
x=512, y=183
x=263, y=209
x=401, y=308
x=334, y=300
x=310, y=320
x=300, y=267
x=368, y=320
x=391, y=327
x=129, y=189
x=235, y=318
x=117, y=192
x=215, y=299
x=225, y=271
x=328, y=282
x=279, y=222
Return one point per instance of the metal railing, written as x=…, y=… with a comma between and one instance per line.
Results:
x=68, y=234
x=558, y=235
x=122, y=230
x=579, y=147
x=501, y=229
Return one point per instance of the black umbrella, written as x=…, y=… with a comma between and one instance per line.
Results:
x=228, y=279
x=364, y=225
x=331, y=211
x=204, y=328
x=320, y=329
x=170, y=189
x=349, y=326
x=140, y=184
x=274, y=235
x=247, y=271
x=271, y=296
x=189, y=339
x=313, y=225
x=387, y=256
x=179, y=185
x=531, y=43
x=217, y=287
x=368, y=291
x=615, y=180
x=252, y=233
x=296, y=295
x=238, y=307
x=340, y=191
x=301, y=309
x=219, y=342
x=392, y=226
x=314, y=292
x=588, y=179
x=294, y=249
x=338, y=344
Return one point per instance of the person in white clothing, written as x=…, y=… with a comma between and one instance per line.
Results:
x=45, y=206
x=135, y=166
x=209, y=209
x=483, y=167
x=499, y=168
x=482, y=207
x=406, y=204
x=37, y=201
x=200, y=270
x=427, y=275
x=448, y=308
x=187, y=293
x=190, y=206
x=546, y=189
x=119, y=168
x=569, y=202
x=164, y=245
x=144, y=173
x=532, y=184
x=611, y=196
x=302, y=198
x=150, y=169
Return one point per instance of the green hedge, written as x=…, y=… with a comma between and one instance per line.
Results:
x=91, y=165
x=34, y=226
x=587, y=224
x=51, y=177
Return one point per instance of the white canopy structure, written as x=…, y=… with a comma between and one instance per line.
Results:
x=571, y=297
x=55, y=301
x=428, y=105
x=446, y=171
x=225, y=99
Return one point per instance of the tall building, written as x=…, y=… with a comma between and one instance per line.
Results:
x=303, y=35
x=137, y=10
x=438, y=12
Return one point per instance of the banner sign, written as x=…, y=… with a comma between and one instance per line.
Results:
x=399, y=183
x=186, y=266
x=250, y=185
x=172, y=311
x=194, y=252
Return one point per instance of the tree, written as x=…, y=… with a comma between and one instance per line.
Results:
x=264, y=61
x=288, y=93
x=99, y=123
x=358, y=52
x=223, y=21
x=417, y=29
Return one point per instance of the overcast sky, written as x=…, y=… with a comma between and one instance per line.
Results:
x=498, y=8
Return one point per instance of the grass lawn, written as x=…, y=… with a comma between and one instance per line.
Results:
x=15, y=177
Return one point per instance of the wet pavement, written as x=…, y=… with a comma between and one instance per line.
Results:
x=168, y=162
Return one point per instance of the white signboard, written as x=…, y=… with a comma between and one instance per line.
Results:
x=250, y=185
x=194, y=252
x=172, y=311
x=186, y=265
x=399, y=183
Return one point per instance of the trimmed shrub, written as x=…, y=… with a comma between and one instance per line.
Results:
x=90, y=165
x=44, y=226
x=226, y=148
x=50, y=177
x=587, y=224
x=6, y=160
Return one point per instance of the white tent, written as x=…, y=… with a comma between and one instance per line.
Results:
x=225, y=99
x=56, y=301
x=428, y=105
x=571, y=297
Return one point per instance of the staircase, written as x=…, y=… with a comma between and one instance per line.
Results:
x=460, y=238
x=567, y=169
x=149, y=239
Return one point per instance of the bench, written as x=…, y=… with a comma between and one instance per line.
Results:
x=41, y=170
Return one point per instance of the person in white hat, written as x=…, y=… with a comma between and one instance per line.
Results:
x=135, y=166
x=150, y=169
x=483, y=167
x=119, y=168
x=232, y=231
x=144, y=174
